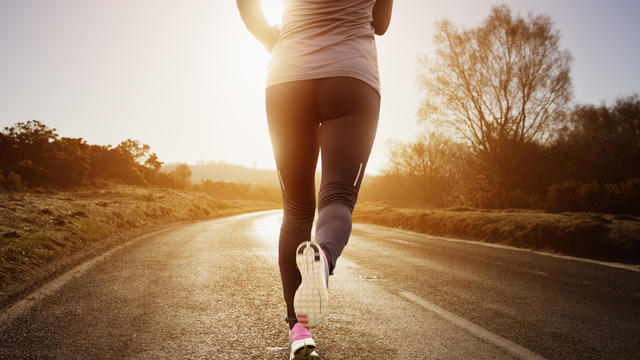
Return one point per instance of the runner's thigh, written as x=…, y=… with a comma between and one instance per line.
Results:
x=348, y=110
x=293, y=127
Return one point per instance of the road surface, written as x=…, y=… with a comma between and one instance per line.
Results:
x=211, y=290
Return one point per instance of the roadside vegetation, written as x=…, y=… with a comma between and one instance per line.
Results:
x=588, y=235
x=500, y=130
x=502, y=135
x=61, y=198
x=39, y=229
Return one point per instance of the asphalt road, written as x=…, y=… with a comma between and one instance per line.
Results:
x=212, y=290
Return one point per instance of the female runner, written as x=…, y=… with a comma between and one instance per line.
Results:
x=322, y=95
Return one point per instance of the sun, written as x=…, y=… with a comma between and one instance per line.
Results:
x=272, y=11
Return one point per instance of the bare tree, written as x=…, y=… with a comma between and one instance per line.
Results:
x=427, y=166
x=505, y=81
x=181, y=176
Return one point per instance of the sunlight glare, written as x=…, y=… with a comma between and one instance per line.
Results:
x=272, y=11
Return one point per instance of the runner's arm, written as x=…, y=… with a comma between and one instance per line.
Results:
x=381, y=16
x=253, y=18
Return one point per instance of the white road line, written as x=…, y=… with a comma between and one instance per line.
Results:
x=7, y=315
x=476, y=330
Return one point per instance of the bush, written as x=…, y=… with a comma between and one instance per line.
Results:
x=563, y=197
x=624, y=197
x=621, y=198
x=591, y=197
x=485, y=200
x=12, y=182
x=31, y=173
x=517, y=199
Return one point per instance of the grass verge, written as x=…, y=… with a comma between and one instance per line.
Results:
x=42, y=234
x=594, y=236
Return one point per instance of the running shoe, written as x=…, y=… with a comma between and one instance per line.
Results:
x=311, y=298
x=302, y=345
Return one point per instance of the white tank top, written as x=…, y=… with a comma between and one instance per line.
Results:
x=325, y=38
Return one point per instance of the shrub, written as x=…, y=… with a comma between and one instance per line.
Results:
x=562, y=197
x=591, y=197
x=517, y=199
x=485, y=200
x=12, y=182
x=624, y=197
x=615, y=198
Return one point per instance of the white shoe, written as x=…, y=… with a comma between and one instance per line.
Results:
x=312, y=298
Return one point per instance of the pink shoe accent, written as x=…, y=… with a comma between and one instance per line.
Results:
x=299, y=332
x=326, y=261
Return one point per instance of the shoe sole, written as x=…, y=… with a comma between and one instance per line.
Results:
x=311, y=298
x=303, y=350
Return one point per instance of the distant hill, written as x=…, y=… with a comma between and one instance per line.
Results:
x=222, y=171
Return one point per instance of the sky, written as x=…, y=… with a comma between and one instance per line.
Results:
x=187, y=78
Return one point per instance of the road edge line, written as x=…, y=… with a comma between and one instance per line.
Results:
x=476, y=330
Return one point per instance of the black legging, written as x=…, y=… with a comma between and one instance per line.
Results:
x=338, y=117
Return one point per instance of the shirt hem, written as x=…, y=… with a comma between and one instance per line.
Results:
x=374, y=83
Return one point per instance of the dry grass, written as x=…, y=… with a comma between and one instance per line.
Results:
x=594, y=236
x=37, y=229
